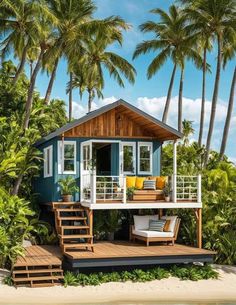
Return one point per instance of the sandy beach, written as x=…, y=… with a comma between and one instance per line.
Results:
x=167, y=290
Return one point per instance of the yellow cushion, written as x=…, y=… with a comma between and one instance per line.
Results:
x=130, y=181
x=161, y=182
x=139, y=182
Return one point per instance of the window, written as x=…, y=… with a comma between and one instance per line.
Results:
x=67, y=158
x=47, y=156
x=128, y=158
x=86, y=157
x=145, y=158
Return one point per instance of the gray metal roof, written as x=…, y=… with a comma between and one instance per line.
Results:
x=102, y=110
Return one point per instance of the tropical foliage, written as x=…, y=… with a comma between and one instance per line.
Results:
x=219, y=199
x=192, y=273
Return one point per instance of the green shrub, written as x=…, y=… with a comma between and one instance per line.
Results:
x=193, y=273
x=8, y=280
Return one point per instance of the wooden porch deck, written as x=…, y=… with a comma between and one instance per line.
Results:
x=121, y=253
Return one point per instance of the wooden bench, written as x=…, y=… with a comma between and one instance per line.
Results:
x=148, y=195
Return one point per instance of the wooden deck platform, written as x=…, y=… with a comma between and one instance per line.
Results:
x=127, y=253
x=41, y=266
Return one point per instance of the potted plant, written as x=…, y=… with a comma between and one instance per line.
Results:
x=130, y=192
x=68, y=188
x=167, y=191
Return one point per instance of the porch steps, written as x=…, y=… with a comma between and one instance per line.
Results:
x=73, y=227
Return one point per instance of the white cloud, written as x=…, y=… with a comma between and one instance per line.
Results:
x=79, y=109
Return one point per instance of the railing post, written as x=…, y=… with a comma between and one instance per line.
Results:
x=93, y=187
x=174, y=184
x=199, y=188
x=124, y=189
x=174, y=177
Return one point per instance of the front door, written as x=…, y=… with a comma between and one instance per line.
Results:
x=85, y=168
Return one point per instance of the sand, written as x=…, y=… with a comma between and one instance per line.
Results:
x=167, y=290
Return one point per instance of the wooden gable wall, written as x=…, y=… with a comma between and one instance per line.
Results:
x=113, y=124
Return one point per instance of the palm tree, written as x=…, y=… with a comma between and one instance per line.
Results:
x=80, y=80
x=228, y=54
x=187, y=131
x=69, y=16
x=186, y=51
x=18, y=23
x=97, y=58
x=168, y=38
x=45, y=40
x=218, y=17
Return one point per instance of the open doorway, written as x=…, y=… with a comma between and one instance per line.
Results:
x=102, y=155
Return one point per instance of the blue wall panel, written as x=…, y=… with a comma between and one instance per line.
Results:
x=48, y=188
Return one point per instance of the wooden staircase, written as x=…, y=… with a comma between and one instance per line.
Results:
x=74, y=226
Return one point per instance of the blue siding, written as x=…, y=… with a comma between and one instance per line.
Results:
x=48, y=188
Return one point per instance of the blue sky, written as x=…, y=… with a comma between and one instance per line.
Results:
x=149, y=95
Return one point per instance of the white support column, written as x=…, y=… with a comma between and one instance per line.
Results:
x=199, y=188
x=124, y=189
x=93, y=187
x=174, y=178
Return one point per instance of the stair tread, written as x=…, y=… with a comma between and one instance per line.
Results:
x=74, y=227
x=76, y=236
x=35, y=285
x=72, y=218
x=78, y=245
x=37, y=278
x=70, y=210
x=36, y=271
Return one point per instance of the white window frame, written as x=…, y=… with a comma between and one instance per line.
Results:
x=47, y=172
x=61, y=159
x=149, y=144
x=132, y=144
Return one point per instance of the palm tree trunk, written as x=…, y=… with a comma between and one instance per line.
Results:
x=90, y=99
x=228, y=117
x=180, y=102
x=214, y=100
x=51, y=82
x=31, y=68
x=167, y=105
x=203, y=98
x=17, y=184
x=21, y=66
x=70, y=97
x=31, y=90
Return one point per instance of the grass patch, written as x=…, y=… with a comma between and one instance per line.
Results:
x=193, y=273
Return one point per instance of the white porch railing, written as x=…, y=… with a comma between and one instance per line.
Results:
x=104, y=188
x=113, y=188
x=186, y=188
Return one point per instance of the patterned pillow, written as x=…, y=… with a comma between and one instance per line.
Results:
x=156, y=225
x=149, y=185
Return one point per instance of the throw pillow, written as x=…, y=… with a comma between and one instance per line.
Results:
x=156, y=225
x=149, y=185
x=167, y=226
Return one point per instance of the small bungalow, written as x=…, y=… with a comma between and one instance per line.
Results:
x=114, y=155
